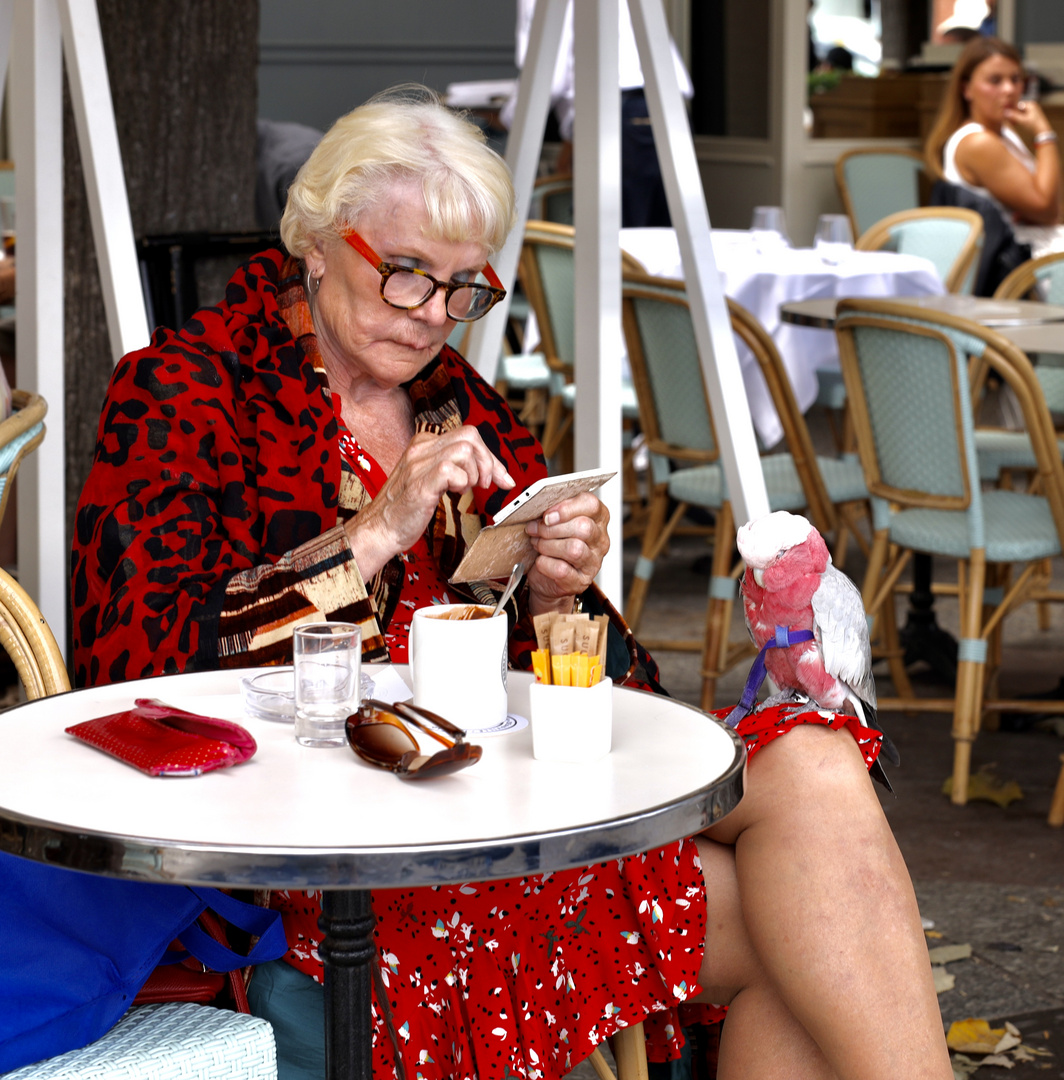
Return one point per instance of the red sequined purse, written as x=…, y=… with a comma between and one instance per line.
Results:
x=163, y=741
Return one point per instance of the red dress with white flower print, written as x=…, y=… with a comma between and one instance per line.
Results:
x=525, y=976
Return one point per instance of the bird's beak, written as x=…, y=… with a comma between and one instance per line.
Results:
x=758, y=576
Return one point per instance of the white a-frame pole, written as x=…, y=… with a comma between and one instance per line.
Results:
x=596, y=215
x=42, y=31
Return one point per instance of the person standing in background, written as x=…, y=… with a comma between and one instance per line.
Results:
x=643, y=200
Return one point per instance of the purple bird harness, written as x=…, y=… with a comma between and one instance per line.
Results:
x=785, y=636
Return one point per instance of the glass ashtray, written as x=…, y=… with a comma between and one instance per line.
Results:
x=272, y=696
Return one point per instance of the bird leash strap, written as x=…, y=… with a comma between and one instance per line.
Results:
x=784, y=636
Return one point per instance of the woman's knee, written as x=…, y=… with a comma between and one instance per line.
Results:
x=810, y=769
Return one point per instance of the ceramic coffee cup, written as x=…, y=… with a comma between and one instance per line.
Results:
x=459, y=665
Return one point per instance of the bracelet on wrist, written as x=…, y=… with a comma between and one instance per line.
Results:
x=1045, y=137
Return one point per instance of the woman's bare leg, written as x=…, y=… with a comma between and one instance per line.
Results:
x=761, y=1038
x=830, y=909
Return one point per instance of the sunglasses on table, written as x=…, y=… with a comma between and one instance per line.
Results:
x=406, y=287
x=379, y=735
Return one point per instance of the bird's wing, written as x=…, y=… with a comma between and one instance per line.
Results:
x=742, y=604
x=842, y=631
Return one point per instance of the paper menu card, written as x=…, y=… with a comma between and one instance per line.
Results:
x=499, y=546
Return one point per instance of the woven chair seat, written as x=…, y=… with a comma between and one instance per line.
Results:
x=999, y=450
x=704, y=485
x=525, y=371
x=629, y=405
x=1018, y=527
x=176, y=1041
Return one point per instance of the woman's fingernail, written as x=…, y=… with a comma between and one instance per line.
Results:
x=551, y=518
x=509, y=479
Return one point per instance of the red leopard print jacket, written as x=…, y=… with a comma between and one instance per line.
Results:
x=211, y=521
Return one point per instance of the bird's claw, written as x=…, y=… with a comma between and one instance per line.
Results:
x=786, y=697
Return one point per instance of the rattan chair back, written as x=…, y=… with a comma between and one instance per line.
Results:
x=27, y=639
x=950, y=236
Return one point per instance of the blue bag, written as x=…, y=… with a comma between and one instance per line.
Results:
x=75, y=948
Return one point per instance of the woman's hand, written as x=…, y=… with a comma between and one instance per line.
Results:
x=430, y=466
x=1028, y=119
x=571, y=542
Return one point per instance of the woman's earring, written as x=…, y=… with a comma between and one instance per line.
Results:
x=314, y=283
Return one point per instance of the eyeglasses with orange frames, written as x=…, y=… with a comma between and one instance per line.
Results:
x=407, y=288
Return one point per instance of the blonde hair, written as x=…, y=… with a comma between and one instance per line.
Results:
x=401, y=135
x=953, y=112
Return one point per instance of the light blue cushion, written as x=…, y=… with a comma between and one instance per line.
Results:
x=524, y=371
x=1019, y=528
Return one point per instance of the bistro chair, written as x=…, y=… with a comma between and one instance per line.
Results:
x=875, y=183
x=175, y=1041
x=545, y=271
x=950, y=236
x=684, y=457
x=1040, y=279
x=907, y=378
x=1037, y=279
x=552, y=199
x=28, y=640
x=629, y=1052
x=20, y=433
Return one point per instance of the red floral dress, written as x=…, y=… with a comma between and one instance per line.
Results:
x=525, y=976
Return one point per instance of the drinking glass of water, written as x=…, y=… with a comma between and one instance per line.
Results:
x=834, y=238
x=328, y=669
x=769, y=228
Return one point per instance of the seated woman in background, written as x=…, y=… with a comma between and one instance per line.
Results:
x=980, y=141
x=312, y=449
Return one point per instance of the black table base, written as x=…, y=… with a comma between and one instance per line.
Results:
x=347, y=952
x=921, y=637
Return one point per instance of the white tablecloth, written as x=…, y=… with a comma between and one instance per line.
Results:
x=761, y=282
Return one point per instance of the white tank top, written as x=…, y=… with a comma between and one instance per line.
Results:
x=1042, y=238
x=1013, y=143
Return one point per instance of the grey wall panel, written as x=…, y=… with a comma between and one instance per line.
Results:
x=337, y=53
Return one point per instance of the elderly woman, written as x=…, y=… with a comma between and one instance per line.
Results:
x=979, y=141
x=311, y=448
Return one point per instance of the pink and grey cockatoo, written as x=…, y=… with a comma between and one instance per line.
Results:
x=790, y=582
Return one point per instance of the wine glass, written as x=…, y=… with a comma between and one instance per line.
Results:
x=834, y=238
x=769, y=229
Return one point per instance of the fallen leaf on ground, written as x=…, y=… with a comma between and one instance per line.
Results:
x=943, y=979
x=936, y=934
x=946, y=954
x=988, y=787
x=1000, y=1060
x=963, y=1067
x=976, y=1036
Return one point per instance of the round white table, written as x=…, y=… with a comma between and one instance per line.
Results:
x=295, y=817
x=762, y=280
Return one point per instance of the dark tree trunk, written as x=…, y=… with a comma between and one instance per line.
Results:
x=184, y=83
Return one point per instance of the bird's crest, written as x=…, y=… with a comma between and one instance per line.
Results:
x=761, y=540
